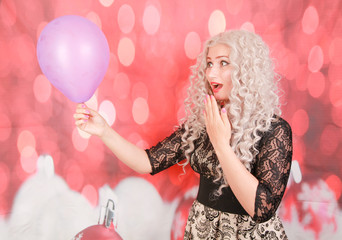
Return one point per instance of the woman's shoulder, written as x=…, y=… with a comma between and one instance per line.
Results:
x=279, y=122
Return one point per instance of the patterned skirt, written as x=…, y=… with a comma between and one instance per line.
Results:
x=207, y=223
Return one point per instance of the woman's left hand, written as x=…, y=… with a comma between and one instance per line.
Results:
x=217, y=123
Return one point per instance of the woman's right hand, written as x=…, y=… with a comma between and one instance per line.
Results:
x=89, y=120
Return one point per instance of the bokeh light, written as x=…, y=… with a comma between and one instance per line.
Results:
x=316, y=84
x=300, y=122
x=316, y=59
x=42, y=88
x=106, y=3
x=151, y=19
x=140, y=110
x=335, y=184
x=28, y=159
x=217, y=22
x=329, y=140
x=192, y=45
x=310, y=20
x=90, y=193
x=107, y=110
x=126, y=51
x=126, y=18
x=153, y=44
x=80, y=143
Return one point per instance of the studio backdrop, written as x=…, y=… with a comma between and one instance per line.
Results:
x=54, y=178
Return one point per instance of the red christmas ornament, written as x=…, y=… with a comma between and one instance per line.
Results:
x=104, y=230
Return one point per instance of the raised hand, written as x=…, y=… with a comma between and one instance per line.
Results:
x=89, y=120
x=217, y=123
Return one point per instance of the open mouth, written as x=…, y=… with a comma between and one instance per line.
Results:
x=216, y=86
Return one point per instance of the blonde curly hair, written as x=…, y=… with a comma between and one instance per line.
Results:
x=253, y=100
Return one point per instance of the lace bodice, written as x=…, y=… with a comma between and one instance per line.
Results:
x=271, y=166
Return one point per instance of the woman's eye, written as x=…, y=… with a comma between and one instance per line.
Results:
x=209, y=64
x=224, y=63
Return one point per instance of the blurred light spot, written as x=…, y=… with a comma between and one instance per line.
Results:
x=90, y=193
x=83, y=134
x=28, y=159
x=335, y=51
x=296, y=172
x=310, y=20
x=316, y=59
x=8, y=13
x=45, y=165
x=134, y=137
x=4, y=177
x=80, y=143
x=5, y=127
x=151, y=20
x=300, y=122
x=234, y=6
x=316, y=84
x=107, y=110
x=74, y=177
x=92, y=16
x=140, y=110
x=336, y=115
x=335, y=184
x=5, y=66
x=42, y=88
x=121, y=86
x=335, y=93
x=329, y=139
x=217, y=23
x=139, y=90
x=126, y=18
x=26, y=138
x=126, y=51
x=192, y=45
x=92, y=102
x=248, y=26
x=106, y=3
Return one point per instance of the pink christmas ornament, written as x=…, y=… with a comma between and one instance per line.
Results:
x=104, y=230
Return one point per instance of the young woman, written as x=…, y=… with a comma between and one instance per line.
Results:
x=232, y=135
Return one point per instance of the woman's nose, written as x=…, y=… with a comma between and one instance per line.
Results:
x=213, y=72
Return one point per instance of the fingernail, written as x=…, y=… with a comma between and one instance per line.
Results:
x=205, y=101
x=87, y=112
x=224, y=110
x=83, y=106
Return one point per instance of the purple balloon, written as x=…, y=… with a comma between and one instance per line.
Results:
x=73, y=54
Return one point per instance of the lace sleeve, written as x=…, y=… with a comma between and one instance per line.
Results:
x=272, y=169
x=167, y=152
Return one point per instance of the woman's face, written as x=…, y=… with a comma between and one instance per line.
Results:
x=218, y=71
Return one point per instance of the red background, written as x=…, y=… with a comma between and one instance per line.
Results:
x=153, y=43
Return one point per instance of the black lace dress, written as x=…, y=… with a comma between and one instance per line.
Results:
x=208, y=220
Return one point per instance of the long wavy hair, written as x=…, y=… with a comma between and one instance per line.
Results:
x=253, y=100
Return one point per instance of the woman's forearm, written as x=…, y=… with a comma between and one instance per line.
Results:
x=131, y=155
x=240, y=180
